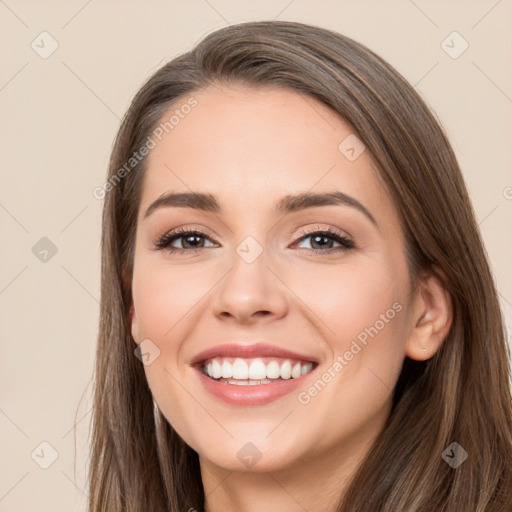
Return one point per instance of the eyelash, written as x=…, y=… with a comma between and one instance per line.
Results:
x=165, y=241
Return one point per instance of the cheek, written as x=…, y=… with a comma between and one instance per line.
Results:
x=163, y=295
x=350, y=301
x=342, y=302
x=363, y=320
x=339, y=303
x=169, y=299
x=361, y=312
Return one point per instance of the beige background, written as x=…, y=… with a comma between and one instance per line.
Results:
x=59, y=116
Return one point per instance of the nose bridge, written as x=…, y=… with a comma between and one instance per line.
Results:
x=250, y=288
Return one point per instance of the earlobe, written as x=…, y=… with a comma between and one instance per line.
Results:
x=433, y=313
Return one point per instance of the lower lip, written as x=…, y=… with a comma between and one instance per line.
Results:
x=256, y=394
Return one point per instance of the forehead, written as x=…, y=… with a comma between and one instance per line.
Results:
x=250, y=147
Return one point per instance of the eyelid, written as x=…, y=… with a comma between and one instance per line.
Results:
x=325, y=228
x=346, y=241
x=201, y=230
x=302, y=231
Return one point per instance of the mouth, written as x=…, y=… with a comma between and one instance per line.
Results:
x=254, y=374
x=254, y=371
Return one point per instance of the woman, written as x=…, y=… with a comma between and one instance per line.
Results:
x=297, y=311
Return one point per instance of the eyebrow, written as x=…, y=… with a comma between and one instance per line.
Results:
x=287, y=204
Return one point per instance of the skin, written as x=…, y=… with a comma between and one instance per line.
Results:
x=249, y=148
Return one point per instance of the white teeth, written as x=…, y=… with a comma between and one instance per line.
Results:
x=306, y=368
x=273, y=370
x=296, y=371
x=248, y=382
x=216, y=371
x=238, y=382
x=286, y=370
x=227, y=370
x=255, y=371
x=240, y=369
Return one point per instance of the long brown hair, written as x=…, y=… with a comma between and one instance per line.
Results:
x=462, y=394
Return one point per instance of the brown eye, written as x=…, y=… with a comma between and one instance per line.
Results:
x=191, y=240
x=323, y=241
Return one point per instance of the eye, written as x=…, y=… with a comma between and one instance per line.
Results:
x=190, y=240
x=322, y=241
x=193, y=240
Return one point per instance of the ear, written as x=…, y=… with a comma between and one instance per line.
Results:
x=432, y=317
x=134, y=324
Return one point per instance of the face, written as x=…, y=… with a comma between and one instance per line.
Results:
x=298, y=310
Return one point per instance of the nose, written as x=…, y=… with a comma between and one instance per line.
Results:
x=250, y=292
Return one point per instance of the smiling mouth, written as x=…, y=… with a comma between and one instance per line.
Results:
x=255, y=371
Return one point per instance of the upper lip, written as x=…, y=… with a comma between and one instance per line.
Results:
x=249, y=350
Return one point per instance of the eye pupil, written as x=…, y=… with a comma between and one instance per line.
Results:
x=191, y=237
x=316, y=238
x=190, y=241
